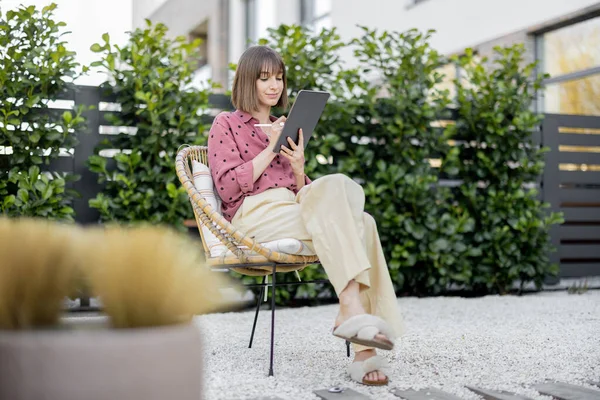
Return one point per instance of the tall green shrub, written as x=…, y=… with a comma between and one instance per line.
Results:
x=382, y=128
x=151, y=77
x=380, y=133
x=500, y=163
x=36, y=69
x=422, y=233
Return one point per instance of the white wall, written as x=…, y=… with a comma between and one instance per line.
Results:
x=87, y=20
x=459, y=23
x=144, y=8
x=266, y=14
x=182, y=16
x=288, y=12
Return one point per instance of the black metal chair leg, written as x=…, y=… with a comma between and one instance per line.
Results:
x=260, y=297
x=272, y=320
x=348, y=348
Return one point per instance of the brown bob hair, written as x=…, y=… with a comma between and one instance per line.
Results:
x=253, y=62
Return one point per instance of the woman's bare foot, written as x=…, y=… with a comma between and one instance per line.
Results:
x=371, y=376
x=351, y=306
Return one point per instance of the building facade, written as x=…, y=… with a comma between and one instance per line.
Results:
x=563, y=35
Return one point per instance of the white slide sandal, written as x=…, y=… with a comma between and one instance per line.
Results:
x=359, y=369
x=362, y=329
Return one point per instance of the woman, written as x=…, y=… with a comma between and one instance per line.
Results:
x=267, y=195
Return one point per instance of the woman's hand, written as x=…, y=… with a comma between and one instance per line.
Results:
x=275, y=131
x=295, y=154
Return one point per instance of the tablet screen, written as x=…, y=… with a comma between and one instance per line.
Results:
x=305, y=114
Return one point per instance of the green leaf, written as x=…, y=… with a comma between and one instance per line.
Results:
x=41, y=187
x=8, y=202
x=49, y=8
x=67, y=210
x=439, y=245
x=140, y=95
x=34, y=137
x=459, y=247
x=171, y=190
x=23, y=195
x=34, y=172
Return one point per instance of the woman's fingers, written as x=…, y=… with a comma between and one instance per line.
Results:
x=286, y=150
x=300, y=138
x=277, y=127
x=278, y=124
x=291, y=142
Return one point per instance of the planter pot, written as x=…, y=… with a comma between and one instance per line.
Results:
x=98, y=364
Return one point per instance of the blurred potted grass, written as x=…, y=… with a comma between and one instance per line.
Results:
x=151, y=285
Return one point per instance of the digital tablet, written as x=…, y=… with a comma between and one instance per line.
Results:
x=305, y=114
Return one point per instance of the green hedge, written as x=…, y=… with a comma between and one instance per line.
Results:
x=381, y=127
x=151, y=77
x=495, y=123
x=36, y=69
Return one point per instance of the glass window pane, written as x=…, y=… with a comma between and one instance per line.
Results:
x=572, y=48
x=574, y=97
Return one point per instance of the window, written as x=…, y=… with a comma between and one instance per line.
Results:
x=577, y=96
x=571, y=55
x=202, y=67
x=573, y=48
x=316, y=14
x=201, y=32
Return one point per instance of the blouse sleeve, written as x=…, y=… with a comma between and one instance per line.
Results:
x=231, y=175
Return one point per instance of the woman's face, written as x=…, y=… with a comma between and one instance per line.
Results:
x=269, y=87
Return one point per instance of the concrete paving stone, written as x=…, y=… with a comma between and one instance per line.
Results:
x=268, y=398
x=424, y=394
x=340, y=393
x=496, y=395
x=566, y=391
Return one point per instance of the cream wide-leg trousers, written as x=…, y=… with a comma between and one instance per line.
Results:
x=328, y=216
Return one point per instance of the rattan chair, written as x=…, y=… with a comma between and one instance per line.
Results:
x=248, y=256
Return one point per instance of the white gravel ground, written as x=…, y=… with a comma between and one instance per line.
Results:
x=493, y=342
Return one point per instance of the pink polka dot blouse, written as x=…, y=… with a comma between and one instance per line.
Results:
x=233, y=142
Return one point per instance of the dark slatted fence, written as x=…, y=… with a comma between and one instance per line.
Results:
x=570, y=183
